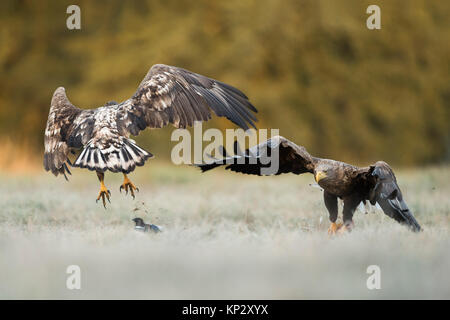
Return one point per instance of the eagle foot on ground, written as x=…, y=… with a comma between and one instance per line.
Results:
x=347, y=227
x=334, y=227
x=128, y=185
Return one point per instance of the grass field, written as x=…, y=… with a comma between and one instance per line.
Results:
x=225, y=236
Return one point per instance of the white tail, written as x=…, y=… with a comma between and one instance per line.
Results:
x=123, y=160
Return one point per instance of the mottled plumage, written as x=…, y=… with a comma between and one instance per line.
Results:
x=375, y=183
x=166, y=95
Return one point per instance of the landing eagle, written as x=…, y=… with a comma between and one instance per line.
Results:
x=166, y=95
x=375, y=183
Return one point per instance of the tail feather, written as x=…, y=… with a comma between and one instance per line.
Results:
x=208, y=166
x=123, y=159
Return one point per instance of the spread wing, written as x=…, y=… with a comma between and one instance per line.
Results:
x=67, y=128
x=384, y=190
x=180, y=97
x=278, y=153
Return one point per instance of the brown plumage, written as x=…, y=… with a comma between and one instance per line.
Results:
x=166, y=95
x=375, y=183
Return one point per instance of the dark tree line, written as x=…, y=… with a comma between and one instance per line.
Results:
x=312, y=68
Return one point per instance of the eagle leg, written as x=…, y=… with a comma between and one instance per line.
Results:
x=104, y=192
x=334, y=227
x=128, y=185
x=346, y=228
x=350, y=204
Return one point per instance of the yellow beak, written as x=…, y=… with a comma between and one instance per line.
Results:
x=320, y=175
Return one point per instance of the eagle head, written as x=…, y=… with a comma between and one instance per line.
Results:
x=319, y=175
x=323, y=172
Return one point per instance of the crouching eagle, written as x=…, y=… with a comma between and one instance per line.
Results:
x=166, y=95
x=375, y=183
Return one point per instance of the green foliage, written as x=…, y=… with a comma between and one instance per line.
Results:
x=312, y=68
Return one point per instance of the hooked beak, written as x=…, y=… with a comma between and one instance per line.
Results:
x=320, y=175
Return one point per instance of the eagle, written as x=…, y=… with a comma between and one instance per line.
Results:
x=166, y=95
x=375, y=183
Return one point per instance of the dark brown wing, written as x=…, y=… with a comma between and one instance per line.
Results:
x=180, y=97
x=67, y=128
x=384, y=190
x=277, y=155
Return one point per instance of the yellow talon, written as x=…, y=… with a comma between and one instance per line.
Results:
x=128, y=185
x=104, y=193
x=334, y=227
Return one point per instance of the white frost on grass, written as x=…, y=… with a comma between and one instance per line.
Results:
x=226, y=236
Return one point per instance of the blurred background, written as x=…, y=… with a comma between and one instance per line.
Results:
x=312, y=69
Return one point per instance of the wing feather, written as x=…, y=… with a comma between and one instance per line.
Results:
x=291, y=158
x=68, y=127
x=384, y=190
x=174, y=95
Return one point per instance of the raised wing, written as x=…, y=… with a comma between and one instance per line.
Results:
x=385, y=191
x=67, y=128
x=180, y=97
x=277, y=155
